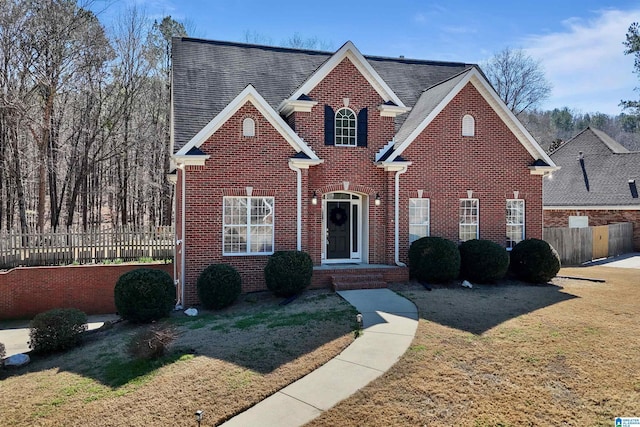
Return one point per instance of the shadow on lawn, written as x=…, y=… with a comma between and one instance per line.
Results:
x=260, y=340
x=485, y=306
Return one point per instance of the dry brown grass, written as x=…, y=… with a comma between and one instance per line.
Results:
x=513, y=355
x=221, y=362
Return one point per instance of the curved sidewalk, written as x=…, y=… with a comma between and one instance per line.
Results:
x=390, y=323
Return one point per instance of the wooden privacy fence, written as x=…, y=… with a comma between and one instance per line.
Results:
x=579, y=245
x=59, y=248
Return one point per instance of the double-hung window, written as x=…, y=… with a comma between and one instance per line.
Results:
x=418, y=219
x=469, y=219
x=247, y=226
x=515, y=222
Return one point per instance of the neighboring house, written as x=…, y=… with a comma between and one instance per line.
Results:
x=349, y=158
x=597, y=184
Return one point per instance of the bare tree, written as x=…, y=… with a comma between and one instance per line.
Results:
x=518, y=78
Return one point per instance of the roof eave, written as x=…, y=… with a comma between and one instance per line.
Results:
x=190, y=160
x=305, y=163
x=393, y=166
x=542, y=170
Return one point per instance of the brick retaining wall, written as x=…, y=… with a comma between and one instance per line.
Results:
x=27, y=291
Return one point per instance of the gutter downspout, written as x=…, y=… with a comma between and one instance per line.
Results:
x=183, y=200
x=396, y=253
x=299, y=206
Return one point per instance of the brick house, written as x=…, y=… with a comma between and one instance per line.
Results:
x=596, y=185
x=347, y=157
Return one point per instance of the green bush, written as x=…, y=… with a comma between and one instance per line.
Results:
x=434, y=260
x=288, y=272
x=483, y=261
x=534, y=261
x=144, y=295
x=57, y=329
x=219, y=285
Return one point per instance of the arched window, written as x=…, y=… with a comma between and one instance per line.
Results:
x=346, y=127
x=468, y=125
x=248, y=127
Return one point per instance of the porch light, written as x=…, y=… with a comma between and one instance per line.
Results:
x=314, y=199
x=377, y=202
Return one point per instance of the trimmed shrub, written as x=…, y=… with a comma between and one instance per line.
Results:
x=534, y=261
x=150, y=343
x=288, y=273
x=144, y=295
x=483, y=261
x=219, y=285
x=434, y=260
x=57, y=329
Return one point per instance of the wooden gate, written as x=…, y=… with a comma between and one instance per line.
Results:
x=600, y=241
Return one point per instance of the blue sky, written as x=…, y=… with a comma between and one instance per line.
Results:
x=578, y=42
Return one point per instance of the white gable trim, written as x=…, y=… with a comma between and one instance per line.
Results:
x=474, y=77
x=348, y=50
x=249, y=94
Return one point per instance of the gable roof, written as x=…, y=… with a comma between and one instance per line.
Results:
x=348, y=50
x=207, y=75
x=436, y=98
x=601, y=178
x=248, y=95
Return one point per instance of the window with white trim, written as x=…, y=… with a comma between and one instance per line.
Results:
x=346, y=124
x=469, y=219
x=248, y=127
x=247, y=225
x=515, y=222
x=468, y=125
x=418, y=219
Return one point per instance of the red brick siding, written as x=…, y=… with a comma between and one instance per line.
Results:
x=560, y=218
x=27, y=291
x=352, y=164
x=492, y=163
x=237, y=162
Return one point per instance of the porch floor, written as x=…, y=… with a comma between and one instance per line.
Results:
x=353, y=266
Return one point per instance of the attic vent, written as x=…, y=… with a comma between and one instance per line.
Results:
x=468, y=125
x=248, y=127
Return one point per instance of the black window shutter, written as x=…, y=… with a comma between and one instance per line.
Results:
x=362, y=128
x=329, y=126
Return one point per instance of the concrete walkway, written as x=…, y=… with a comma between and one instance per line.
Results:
x=631, y=260
x=390, y=323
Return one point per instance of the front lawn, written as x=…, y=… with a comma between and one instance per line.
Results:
x=566, y=354
x=222, y=363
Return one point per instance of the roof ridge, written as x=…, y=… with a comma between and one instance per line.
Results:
x=564, y=144
x=417, y=61
x=254, y=45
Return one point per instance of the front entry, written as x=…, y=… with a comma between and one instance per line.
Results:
x=343, y=225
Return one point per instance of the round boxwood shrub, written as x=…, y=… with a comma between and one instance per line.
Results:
x=534, y=261
x=483, y=261
x=288, y=272
x=144, y=295
x=219, y=285
x=57, y=329
x=434, y=260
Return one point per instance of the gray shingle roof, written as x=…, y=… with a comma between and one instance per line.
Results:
x=429, y=99
x=600, y=179
x=207, y=75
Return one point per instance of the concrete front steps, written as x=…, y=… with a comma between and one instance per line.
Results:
x=349, y=281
